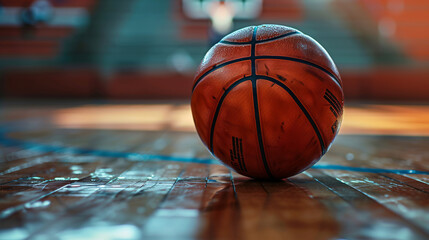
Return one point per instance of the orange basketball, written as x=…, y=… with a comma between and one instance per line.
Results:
x=267, y=101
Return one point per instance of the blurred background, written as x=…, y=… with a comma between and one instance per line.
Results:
x=140, y=49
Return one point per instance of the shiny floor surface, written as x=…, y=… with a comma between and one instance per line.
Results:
x=139, y=171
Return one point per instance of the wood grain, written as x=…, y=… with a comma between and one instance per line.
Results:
x=145, y=189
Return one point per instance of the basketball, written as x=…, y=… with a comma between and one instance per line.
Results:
x=267, y=101
x=188, y=119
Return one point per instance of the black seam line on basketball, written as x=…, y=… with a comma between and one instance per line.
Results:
x=236, y=154
x=259, y=41
x=301, y=61
x=333, y=98
x=234, y=43
x=217, y=67
x=334, y=104
x=219, y=105
x=331, y=95
x=258, y=128
x=255, y=104
x=301, y=106
x=329, y=92
x=331, y=103
x=252, y=51
x=242, y=156
x=278, y=37
x=333, y=111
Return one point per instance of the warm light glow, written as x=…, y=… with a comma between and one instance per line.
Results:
x=386, y=120
x=221, y=15
x=358, y=119
x=126, y=117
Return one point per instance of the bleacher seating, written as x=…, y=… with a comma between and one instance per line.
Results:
x=126, y=48
x=43, y=40
x=409, y=21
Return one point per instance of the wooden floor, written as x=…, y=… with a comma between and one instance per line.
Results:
x=139, y=171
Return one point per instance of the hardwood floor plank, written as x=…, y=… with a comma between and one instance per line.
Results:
x=144, y=183
x=379, y=196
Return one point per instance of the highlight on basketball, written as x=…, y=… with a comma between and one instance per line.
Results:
x=214, y=119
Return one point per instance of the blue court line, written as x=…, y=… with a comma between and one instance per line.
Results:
x=10, y=142
x=99, y=153
x=370, y=170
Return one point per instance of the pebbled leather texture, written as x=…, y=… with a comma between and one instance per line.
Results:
x=267, y=101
